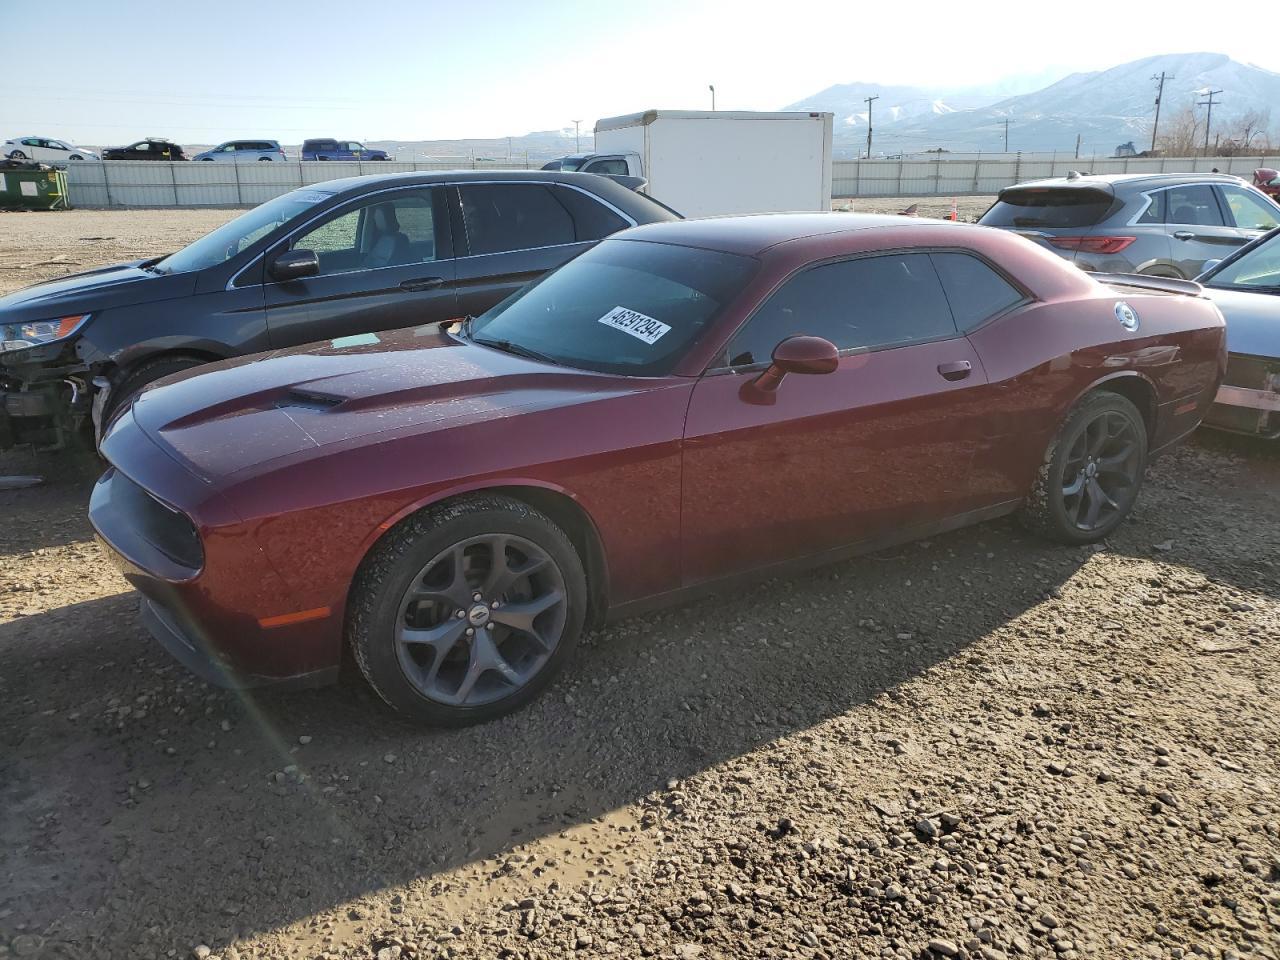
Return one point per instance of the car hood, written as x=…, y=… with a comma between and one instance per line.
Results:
x=1253, y=321
x=234, y=417
x=93, y=290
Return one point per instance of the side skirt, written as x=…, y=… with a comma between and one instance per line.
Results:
x=801, y=564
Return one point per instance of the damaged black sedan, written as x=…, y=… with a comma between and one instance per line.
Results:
x=332, y=261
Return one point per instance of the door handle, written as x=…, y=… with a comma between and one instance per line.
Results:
x=422, y=283
x=1184, y=235
x=955, y=369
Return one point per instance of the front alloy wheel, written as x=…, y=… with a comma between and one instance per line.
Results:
x=466, y=610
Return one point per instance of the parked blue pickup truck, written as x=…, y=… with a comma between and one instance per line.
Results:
x=340, y=150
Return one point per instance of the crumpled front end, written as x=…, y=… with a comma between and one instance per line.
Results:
x=1248, y=400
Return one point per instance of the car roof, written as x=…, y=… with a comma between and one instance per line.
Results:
x=1138, y=180
x=408, y=177
x=751, y=235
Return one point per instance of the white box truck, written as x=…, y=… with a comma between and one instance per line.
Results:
x=707, y=163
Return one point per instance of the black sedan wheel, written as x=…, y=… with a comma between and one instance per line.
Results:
x=1092, y=472
x=465, y=612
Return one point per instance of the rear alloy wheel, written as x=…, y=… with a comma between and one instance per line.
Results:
x=465, y=612
x=1092, y=472
x=17, y=155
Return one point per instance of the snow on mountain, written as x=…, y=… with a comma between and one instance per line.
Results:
x=1105, y=107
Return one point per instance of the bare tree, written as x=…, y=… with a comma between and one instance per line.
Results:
x=1178, y=134
x=1247, y=133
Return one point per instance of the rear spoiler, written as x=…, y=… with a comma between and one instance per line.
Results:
x=631, y=183
x=1167, y=284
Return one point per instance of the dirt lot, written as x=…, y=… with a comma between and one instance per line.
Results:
x=980, y=746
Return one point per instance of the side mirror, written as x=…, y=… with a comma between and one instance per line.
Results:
x=294, y=265
x=793, y=355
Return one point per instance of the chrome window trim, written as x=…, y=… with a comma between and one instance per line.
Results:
x=1147, y=195
x=630, y=221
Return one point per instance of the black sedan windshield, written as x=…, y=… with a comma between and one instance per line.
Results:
x=626, y=306
x=235, y=235
x=1257, y=269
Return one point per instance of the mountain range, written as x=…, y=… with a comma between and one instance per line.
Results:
x=1105, y=108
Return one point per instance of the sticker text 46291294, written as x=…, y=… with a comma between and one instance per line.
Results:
x=637, y=324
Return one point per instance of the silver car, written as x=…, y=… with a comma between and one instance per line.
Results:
x=1159, y=224
x=1246, y=288
x=243, y=151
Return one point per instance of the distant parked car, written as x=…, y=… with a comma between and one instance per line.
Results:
x=1246, y=288
x=1162, y=225
x=340, y=150
x=243, y=151
x=45, y=150
x=333, y=260
x=153, y=148
x=1267, y=180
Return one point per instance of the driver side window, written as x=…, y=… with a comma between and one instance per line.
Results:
x=382, y=232
x=868, y=303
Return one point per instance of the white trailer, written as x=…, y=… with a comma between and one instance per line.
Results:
x=708, y=163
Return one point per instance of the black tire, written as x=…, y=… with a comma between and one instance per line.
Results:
x=1051, y=510
x=396, y=566
x=264, y=159
x=142, y=375
x=207, y=159
x=17, y=155
x=75, y=156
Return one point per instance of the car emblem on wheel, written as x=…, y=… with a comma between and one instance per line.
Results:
x=1127, y=316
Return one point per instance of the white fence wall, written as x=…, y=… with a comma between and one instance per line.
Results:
x=921, y=178
x=152, y=183
x=147, y=183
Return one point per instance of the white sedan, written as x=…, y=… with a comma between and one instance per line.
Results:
x=44, y=150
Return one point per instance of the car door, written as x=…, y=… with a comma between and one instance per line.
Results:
x=385, y=262
x=514, y=232
x=1249, y=211
x=352, y=151
x=1198, y=230
x=881, y=445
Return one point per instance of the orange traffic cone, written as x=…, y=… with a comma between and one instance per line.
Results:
x=955, y=214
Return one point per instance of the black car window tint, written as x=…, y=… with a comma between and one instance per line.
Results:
x=513, y=216
x=591, y=218
x=1193, y=205
x=974, y=290
x=1155, y=209
x=613, y=166
x=866, y=303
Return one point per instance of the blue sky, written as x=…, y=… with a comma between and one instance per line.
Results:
x=110, y=72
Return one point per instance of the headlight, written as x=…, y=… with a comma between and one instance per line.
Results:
x=21, y=336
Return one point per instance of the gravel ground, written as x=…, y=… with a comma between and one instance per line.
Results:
x=978, y=746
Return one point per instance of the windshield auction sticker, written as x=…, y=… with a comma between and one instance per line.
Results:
x=637, y=324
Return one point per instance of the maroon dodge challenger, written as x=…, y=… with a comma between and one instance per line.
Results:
x=683, y=405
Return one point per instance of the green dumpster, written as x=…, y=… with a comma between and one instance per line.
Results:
x=33, y=189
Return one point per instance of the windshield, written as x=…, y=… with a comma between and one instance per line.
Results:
x=1257, y=269
x=236, y=235
x=625, y=306
x=572, y=163
x=1055, y=208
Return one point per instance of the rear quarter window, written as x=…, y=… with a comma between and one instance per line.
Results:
x=1049, y=207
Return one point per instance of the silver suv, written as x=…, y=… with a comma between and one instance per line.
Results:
x=1160, y=224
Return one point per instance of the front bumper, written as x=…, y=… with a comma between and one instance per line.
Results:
x=1248, y=401
x=228, y=617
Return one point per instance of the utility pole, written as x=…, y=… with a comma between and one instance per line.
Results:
x=1208, y=117
x=577, y=141
x=869, y=101
x=1006, y=134
x=1077, y=146
x=712, y=88
x=1159, y=96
